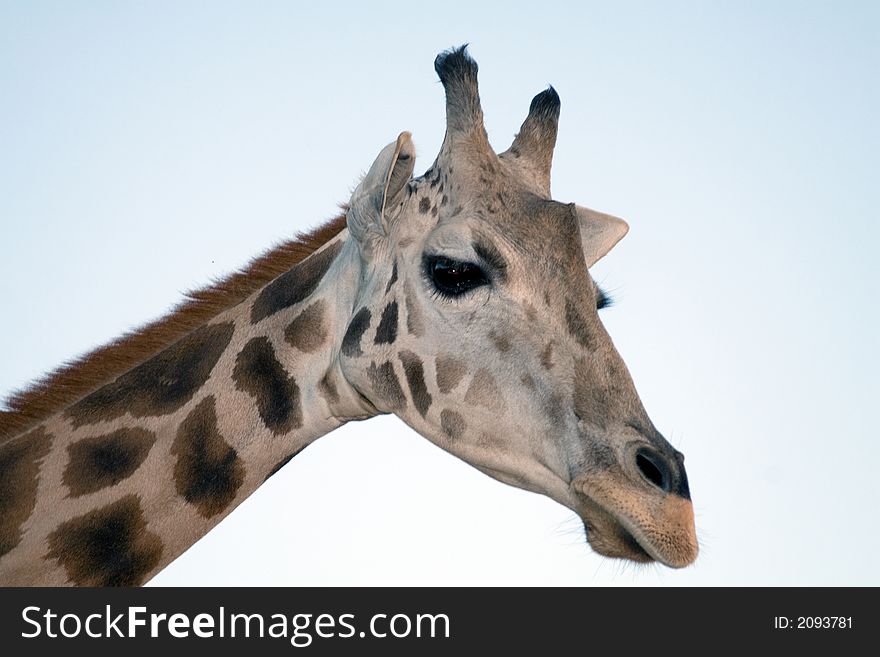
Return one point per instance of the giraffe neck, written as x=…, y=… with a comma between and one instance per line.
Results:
x=116, y=486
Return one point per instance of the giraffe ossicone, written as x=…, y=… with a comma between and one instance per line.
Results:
x=460, y=300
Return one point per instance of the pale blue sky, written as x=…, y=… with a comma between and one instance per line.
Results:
x=146, y=147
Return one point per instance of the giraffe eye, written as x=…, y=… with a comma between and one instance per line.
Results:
x=453, y=278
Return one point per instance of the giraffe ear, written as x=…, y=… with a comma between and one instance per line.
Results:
x=599, y=233
x=381, y=189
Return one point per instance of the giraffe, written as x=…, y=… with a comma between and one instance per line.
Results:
x=460, y=301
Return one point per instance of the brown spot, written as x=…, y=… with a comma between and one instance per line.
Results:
x=434, y=211
x=450, y=371
x=555, y=410
x=415, y=377
x=590, y=397
x=547, y=357
x=452, y=423
x=393, y=279
x=351, y=341
x=531, y=312
x=19, y=471
x=386, y=332
x=578, y=326
x=100, y=461
x=386, y=386
x=483, y=391
x=295, y=285
x=161, y=385
x=424, y=205
x=259, y=373
x=501, y=342
x=527, y=380
x=109, y=546
x=415, y=324
x=307, y=332
x=208, y=472
x=327, y=389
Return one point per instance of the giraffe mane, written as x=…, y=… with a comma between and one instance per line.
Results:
x=79, y=377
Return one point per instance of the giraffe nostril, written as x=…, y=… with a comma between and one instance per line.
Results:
x=654, y=469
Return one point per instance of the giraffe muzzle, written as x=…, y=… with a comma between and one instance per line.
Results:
x=635, y=519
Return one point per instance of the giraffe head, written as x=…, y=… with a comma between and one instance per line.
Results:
x=476, y=322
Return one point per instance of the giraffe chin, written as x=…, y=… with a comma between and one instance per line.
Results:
x=625, y=521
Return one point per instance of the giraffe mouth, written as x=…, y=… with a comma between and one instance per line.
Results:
x=625, y=521
x=609, y=538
